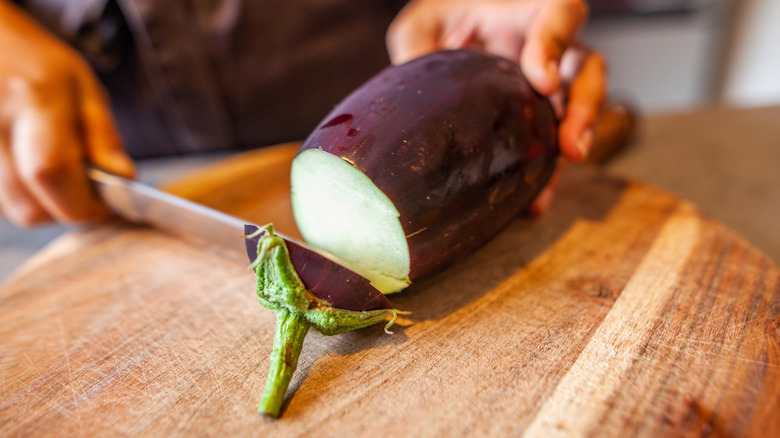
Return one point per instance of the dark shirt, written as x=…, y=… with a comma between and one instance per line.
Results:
x=198, y=76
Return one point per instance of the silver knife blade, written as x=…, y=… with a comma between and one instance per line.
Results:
x=322, y=273
x=144, y=204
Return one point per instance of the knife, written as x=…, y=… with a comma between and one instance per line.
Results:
x=323, y=274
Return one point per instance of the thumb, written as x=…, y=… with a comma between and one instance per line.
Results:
x=552, y=29
x=103, y=143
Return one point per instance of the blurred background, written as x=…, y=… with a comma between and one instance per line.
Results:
x=678, y=54
x=703, y=78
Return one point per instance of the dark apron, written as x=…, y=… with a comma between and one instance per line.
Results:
x=211, y=75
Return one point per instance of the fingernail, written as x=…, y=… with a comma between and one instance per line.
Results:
x=585, y=142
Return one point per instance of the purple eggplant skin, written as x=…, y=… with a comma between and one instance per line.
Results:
x=458, y=140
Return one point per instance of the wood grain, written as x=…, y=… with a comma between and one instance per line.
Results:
x=621, y=312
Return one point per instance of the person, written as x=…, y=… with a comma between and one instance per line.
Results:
x=212, y=93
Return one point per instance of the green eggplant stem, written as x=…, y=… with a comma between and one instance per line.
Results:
x=291, y=329
x=280, y=289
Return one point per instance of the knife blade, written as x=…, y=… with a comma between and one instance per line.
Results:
x=323, y=274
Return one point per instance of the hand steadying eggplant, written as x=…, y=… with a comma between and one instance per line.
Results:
x=414, y=170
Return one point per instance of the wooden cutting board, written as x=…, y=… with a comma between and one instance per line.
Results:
x=622, y=312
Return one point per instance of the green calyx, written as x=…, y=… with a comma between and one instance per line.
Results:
x=280, y=289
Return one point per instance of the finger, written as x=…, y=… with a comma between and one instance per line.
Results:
x=554, y=26
x=17, y=205
x=102, y=142
x=504, y=42
x=498, y=27
x=543, y=200
x=411, y=35
x=48, y=154
x=585, y=98
x=460, y=33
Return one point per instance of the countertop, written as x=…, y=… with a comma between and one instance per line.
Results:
x=725, y=160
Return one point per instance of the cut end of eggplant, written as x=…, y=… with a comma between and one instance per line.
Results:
x=340, y=210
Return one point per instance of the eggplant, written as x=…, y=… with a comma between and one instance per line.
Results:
x=412, y=171
x=423, y=164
